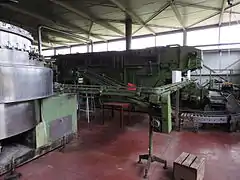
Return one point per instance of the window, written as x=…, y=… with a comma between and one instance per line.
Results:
x=169, y=39
x=79, y=49
x=202, y=37
x=63, y=51
x=49, y=52
x=117, y=46
x=99, y=47
x=234, y=46
x=141, y=43
x=229, y=34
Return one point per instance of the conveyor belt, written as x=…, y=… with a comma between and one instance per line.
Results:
x=101, y=79
x=209, y=117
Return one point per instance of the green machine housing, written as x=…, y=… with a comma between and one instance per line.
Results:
x=145, y=67
x=58, y=119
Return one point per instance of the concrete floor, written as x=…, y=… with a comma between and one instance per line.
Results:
x=109, y=153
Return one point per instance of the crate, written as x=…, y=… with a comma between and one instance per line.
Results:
x=188, y=167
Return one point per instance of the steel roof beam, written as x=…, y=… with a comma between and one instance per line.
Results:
x=135, y=23
x=214, y=14
x=202, y=20
x=161, y=9
x=177, y=13
x=132, y=15
x=48, y=21
x=224, y=2
x=202, y=7
x=87, y=16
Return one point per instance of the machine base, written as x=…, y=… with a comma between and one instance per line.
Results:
x=149, y=161
x=21, y=155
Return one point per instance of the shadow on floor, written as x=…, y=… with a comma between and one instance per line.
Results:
x=96, y=135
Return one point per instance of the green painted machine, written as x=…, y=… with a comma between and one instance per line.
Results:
x=151, y=67
x=59, y=119
x=146, y=69
x=156, y=101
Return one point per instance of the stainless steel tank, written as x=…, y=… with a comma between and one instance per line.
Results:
x=22, y=81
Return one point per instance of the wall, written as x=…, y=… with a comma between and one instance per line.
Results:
x=225, y=63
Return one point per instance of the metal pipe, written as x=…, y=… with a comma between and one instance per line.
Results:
x=39, y=40
x=40, y=27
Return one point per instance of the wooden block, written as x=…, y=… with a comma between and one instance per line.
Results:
x=189, y=160
x=188, y=167
x=181, y=158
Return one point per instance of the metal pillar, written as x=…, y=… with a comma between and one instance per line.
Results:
x=184, y=38
x=88, y=48
x=128, y=32
x=91, y=46
x=155, y=41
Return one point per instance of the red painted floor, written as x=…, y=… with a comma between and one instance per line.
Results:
x=109, y=153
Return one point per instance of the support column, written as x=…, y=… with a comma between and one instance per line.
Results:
x=184, y=38
x=88, y=48
x=128, y=32
x=91, y=45
x=155, y=41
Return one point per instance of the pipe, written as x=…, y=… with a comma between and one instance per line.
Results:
x=39, y=40
x=40, y=27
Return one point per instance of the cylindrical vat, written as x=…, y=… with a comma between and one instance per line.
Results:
x=22, y=80
x=16, y=118
x=23, y=83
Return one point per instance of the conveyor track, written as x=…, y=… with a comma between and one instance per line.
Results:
x=210, y=117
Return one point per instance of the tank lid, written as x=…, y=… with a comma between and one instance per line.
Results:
x=15, y=30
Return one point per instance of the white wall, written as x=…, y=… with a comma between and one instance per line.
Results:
x=225, y=63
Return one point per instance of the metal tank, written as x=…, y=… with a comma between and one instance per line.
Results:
x=23, y=80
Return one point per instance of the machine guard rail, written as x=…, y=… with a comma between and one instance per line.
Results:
x=119, y=90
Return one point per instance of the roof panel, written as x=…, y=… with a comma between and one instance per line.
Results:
x=213, y=20
x=192, y=11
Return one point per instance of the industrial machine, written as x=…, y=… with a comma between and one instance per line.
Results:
x=218, y=101
x=141, y=77
x=33, y=120
x=157, y=105
x=151, y=67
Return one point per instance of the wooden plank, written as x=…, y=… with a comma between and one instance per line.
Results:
x=197, y=163
x=201, y=171
x=189, y=160
x=181, y=158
